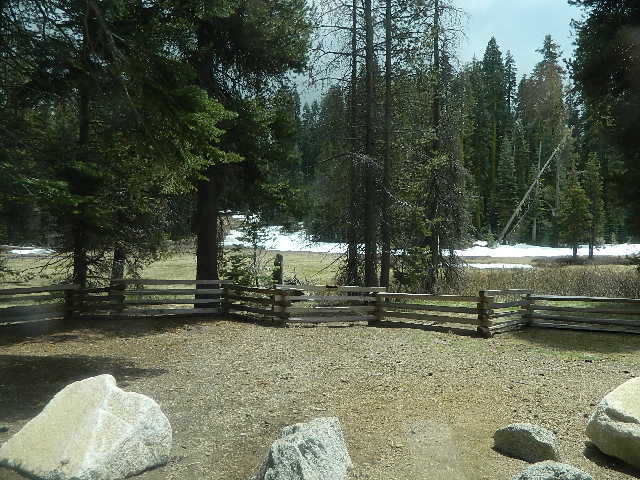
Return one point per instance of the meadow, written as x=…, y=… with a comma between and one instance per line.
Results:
x=610, y=279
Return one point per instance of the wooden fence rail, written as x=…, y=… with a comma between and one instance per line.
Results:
x=490, y=312
x=328, y=303
x=617, y=314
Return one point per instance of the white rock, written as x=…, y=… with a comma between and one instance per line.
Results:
x=528, y=442
x=552, y=471
x=91, y=430
x=614, y=427
x=308, y=451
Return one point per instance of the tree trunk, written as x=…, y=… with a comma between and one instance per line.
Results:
x=206, y=220
x=207, y=228
x=78, y=225
x=575, y=252
x=433, y=240
x=117, y=267
x=352, y=233
x=534, y=225
x=385, y=263
x=435, y=105
x=592, y=241
x=80, y=257
x=370, y=246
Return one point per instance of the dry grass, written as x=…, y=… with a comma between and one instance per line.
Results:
x=321, y=268
x=589, y=280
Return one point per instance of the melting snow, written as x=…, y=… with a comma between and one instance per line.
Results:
x=524, y=250
x=287, y=242
x=298, y=242
x=498, y=265
x=31, y=251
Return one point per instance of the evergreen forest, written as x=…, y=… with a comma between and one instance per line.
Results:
x=125, y=125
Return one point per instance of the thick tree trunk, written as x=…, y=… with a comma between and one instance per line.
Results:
x=78, y=225
x=370, y=245
x=575, y=252
x=80, y=257
x=207, y=216
x=117, y=267
x=207, y=228
x=385, y=263
x=352, y=233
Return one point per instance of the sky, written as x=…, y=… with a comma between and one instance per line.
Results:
x=519, y=26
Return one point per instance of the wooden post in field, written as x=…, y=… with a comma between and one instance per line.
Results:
x=379, y=311
x=485, y=312
x=280, y=308
x=278, y=271
x=116, y=293
x=527, y=309
x=223, y=308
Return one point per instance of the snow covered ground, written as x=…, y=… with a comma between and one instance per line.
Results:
x=523, y=250
x=486, y=266
x=297, y=242
x=31, y=251
x=287, y=242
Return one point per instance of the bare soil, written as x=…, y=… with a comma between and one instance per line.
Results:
x=415, y=402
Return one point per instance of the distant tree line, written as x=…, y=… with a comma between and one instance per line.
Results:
x=126, y=124
x=458, y=151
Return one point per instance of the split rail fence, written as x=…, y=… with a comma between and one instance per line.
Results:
x=490, y=312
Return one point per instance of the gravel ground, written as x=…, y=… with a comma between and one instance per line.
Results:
x=415, y=402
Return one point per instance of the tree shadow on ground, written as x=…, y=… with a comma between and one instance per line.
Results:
x=579, y=341
x=64, y=330
x=465, y=332
x=611, y=463
x=28, y=382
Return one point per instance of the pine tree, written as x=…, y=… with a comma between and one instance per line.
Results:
x=506, y=184
x=574, y=217
x=495, y=104
x=593, y=189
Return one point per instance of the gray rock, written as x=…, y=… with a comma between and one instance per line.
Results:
x=315, y=450
x=552, y=471
x=614, y=427
x=526, y=441
x=91, y=430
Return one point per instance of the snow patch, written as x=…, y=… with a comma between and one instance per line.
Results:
x=298, y=242
x=286, y=242
x=499, y=265
x=524, y=250
x=31, y=251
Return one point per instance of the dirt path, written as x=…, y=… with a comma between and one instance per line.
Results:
x=414, y=404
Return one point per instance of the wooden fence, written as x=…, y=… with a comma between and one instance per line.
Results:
x=584, y=313
x=19, y=305
x=148, y=297
x=491, y=312
x=327, y=303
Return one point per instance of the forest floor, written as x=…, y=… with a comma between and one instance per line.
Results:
x=415, y=402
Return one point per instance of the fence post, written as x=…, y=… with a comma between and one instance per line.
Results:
x=278, y=271
x=280, y=307
x=485, y=312
x=224, y=300
x=116, y=292
x=379, y=311
x=528, y=309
